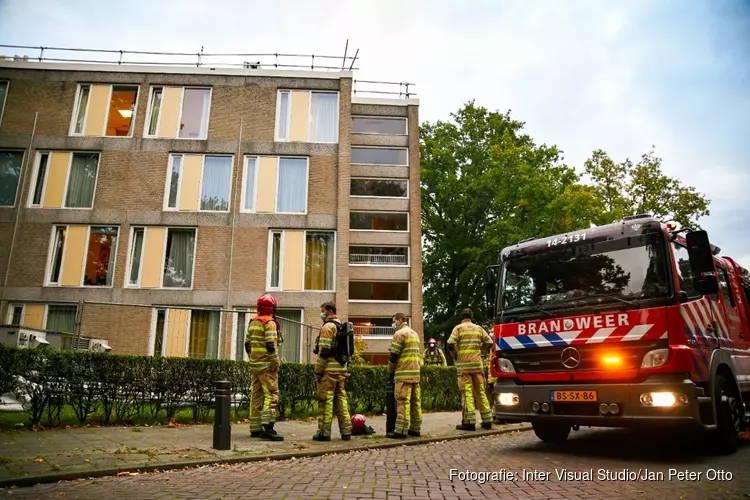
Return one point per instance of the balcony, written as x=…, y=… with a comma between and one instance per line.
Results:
x=378, y=260
x=382, y=331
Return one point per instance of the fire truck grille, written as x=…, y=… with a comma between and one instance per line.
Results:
x=625, y=355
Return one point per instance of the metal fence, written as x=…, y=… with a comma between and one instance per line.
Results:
x=375, y=259
x=202, y=59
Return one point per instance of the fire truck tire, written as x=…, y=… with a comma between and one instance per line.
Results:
x=727, y=417
x=551, y=432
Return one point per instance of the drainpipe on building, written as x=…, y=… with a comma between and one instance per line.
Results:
x=19, y=201
x=238, y=176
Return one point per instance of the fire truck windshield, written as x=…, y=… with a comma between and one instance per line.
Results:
x=633, y=269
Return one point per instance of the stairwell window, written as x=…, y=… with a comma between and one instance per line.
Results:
x=396, y=157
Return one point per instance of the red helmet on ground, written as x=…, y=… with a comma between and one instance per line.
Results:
x=432, y=341
x=266, y=304
x=358, y=423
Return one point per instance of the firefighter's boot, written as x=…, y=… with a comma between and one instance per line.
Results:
x=269, y=434
x=466, y=427
x=321, y=437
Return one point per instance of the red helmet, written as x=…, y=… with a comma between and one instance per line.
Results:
x=358, y=423
x=266, y=304
x=431, y=341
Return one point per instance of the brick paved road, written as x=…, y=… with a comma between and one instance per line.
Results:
x=423, y=472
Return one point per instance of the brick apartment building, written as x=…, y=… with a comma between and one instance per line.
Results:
x=150, y=205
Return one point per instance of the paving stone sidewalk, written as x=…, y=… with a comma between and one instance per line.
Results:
x=27, y=457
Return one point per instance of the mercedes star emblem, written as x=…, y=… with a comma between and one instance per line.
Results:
x=570, y=357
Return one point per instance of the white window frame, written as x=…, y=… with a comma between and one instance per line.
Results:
x=168, y=182
x=19, y=191
x=408, y=186
x=254, y=194
x=50, y=255
x=11, y=307
x=127, y=284
x=278, y=177
x=408, y=222
x=309, y=115
x=152, y=333
x=282, y=250
x=408, y=256
x=383, y=301
x=382, y=164
x=373, y=117
x=34, y=178
x=235, y=319
x=179, y=115
x=106, y=114
x=189, y=321
x=5, y=98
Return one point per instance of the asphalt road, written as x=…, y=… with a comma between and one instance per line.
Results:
x=622, y=465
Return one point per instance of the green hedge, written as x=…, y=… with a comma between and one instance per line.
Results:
x=123, y=389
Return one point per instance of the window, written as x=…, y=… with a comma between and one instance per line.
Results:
x=83, y=256
x=156, y=263
x=319, y=252
x=376, y=221
x=65, y=180
x=105, y=110
x=379, y=256
x=374, y=326
x=290, y=321
x=100, y=258
x=161, y=317
x=177, y=112
x=10, y=171
x=61, y=318
x=726, y=289
x=15, y=317
x=380, y=156
x=381, y=291
x=387, y=188
x=301, y=260
x=291, y=196
x=3, y=95
x=204, y=333
x=684, y=271
x=197, y=182
x=178, y=258
x=240, y=335
x=250, y=181
x=307, y=116
x=380, y=125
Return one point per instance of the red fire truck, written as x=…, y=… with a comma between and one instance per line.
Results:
x=628, y=324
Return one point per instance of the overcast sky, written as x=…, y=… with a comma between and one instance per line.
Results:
x=620, y=76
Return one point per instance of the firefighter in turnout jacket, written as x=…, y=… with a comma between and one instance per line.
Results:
x=403, y=366
x=466, y=344
x=331, y=376
x=433, y=355
x=261, y=347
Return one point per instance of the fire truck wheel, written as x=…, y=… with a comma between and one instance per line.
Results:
x=727, y=417
x=551, y=432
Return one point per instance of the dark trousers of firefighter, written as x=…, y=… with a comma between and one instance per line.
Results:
x=332, y=398
x=265, y=398
x=408, y=407
x=473, y=397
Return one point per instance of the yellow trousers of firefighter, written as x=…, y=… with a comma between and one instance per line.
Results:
x=265, y=398
x=408, y=407
x=474, y=392
x=332, y=398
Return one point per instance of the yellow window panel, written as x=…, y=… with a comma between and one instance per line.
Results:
x=153, y=252
x=57, y=173
x=75, y=250
x=177, y=332
x=97, y=112
x=33, y=316
x=170, y=112
x=266, y=186
x=300, y=116
x=192, y=168
x=293, y=268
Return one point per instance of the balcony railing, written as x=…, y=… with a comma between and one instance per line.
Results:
x=378, y=260
x=384, y=331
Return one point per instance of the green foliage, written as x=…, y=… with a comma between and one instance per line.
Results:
x=128, y=389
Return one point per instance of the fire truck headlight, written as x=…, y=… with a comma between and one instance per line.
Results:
x=507, y=399
x=506, y=366
x=655, y=358
x=664, y=399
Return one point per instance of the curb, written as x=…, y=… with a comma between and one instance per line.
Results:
x=20, y=482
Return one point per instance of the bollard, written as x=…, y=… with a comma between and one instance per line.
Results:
x=222, y=427
x=390, y=407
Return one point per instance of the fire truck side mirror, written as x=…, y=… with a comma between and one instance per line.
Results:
x=702, y=262
x=490, y=283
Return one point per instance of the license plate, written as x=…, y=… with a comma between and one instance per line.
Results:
x=572, y=396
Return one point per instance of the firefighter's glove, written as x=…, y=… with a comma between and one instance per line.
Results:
x=270, y=347
x=247, y=348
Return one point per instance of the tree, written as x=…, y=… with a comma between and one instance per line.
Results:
x=629, y=189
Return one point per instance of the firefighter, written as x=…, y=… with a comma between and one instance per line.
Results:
x=261, y=347
x=331, y=377
x=433, y=355
x=490, y=379
x=403, y=366
x=466, y=343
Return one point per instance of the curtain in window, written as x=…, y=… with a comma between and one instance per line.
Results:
x=81, y=183
x=10, y=170
x=292, y=195
x=217, y=177
x=283, y=114
x=195, y=104
x=291, y=330
x=324, y=107
x=135, y=261
x=319, y=253
x=61, y=318
x=276, y=260
x=250, y=184
x=178, y=266
x=204, y=334
x=240, y=335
